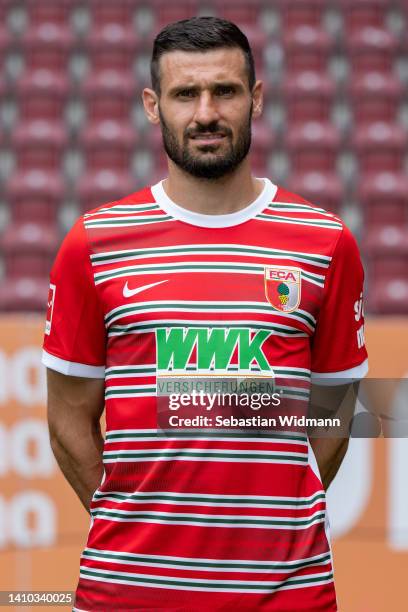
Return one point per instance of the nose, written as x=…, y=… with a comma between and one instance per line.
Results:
x=206, y=110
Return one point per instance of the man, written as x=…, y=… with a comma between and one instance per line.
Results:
x=209, y=272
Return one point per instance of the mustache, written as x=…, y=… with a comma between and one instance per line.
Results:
x=211, y=128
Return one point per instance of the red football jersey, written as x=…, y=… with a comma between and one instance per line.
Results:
x=143, y=290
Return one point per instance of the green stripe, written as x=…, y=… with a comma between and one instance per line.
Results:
x=97, y=223
x=204, y=563
x=321, y=223
x=199, y=306
x=206, y=586
x=130, y=370
x=125, y=209
x=293, y=391
x=152, y=326
x=305, y=207
x=181, y=267
x=132, y=390
x=206, y=433
x=289, y=372
x=313, y=277
x=189, y=453
x=208, y=520
x=216, y=249
x=221, y=500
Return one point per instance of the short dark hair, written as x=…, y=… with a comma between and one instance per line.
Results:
x=200, y=34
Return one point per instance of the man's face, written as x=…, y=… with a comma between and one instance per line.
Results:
x=205, y=110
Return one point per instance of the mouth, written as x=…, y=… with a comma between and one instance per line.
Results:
x=208, y=138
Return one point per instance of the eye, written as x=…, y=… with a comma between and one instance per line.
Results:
x=186, y=93
x=224, y=90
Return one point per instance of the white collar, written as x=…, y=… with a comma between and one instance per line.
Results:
x=203, y=220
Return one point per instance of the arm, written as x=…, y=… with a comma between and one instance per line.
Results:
x=330, y=445
x=75, y=406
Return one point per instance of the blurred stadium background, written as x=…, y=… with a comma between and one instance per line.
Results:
x=73, y=135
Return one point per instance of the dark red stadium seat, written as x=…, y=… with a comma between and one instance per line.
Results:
x=388, y=266
x=302, y=12
x=47, y=45
x=154, y=145
x=108, y=144
x=7, y=43
x=24, y=294
x=388, y=293
x=5, y=6
x=358, y=14
x=166, y=12
x=42, y=94
x=372, y=49
x=106, y=11
x=384, y=197
x=112, y=46
x=97, y=188
x=320, y=188
x=239, y=11
x=308, y=96
x=306, y=48
x=380, y=147
x=375, y=96
x=109, y=94
x=28, y=249
x=380, y=241
x=40, y=11
x=35, y=195
x=39, y=144
x=263, y=144
x=313, y=146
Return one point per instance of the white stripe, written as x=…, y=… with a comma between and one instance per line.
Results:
x=208, y=266
x=333, y=226
x=219, y=438
x=130, y=431
x=160, y=218
x=71, y=368
x=210, y=496
x=136, y=367
x=342, y=377
x=203, y=450
x=186, y=306
x=133, y=375
x=211, y=560
x=120, y=210
x=198, y=519
x=201, y=581
x=157, y=251
x=129, y=254
x=170, y=501
x=208, y=459
x=165, y=562
x=161, y=323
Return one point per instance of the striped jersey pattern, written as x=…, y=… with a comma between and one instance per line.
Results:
x=203, y=519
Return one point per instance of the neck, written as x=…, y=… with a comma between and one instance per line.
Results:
x=216, y=196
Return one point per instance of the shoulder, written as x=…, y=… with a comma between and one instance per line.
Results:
x=140, y=197
x=284, y=196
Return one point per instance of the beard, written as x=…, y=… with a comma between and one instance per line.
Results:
x=203, y=166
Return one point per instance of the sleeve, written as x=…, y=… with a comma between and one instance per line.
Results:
x=338, y=349
x=74, y=340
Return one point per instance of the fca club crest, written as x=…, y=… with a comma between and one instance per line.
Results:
x=282, y=287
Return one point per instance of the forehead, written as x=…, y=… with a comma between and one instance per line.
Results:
x=201, y=68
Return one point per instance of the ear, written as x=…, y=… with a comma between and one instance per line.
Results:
x=257, y=98
x=151, y=105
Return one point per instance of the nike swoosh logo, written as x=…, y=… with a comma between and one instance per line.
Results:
x=130, y=292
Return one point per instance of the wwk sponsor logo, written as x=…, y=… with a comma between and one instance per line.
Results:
x=214, y=348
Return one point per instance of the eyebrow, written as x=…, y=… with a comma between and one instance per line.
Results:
x=178, y=88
